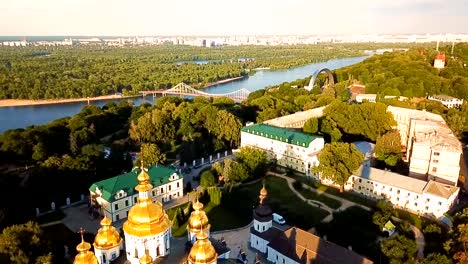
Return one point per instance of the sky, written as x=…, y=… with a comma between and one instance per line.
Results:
x=233, y=17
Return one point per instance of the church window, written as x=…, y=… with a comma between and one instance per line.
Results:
x=116, y=207
x=178, y=185
x=136, y=253
x=134, y=199
x=103, y=258
x=126, y=203
x=169, y=187
x=162, y=190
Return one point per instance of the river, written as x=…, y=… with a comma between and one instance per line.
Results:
x=23, y=116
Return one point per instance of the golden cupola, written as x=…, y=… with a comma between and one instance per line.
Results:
x=107, y=236
x=198, y=220
x=202, y=251
x=84, y=256
x=146, y=258
x=146, y=218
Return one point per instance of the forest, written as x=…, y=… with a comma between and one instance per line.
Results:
x=95, y=70
x=411, y=73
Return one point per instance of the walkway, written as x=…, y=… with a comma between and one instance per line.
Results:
x=420, y=242
x=344, y=202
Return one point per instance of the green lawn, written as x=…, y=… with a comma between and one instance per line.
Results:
x=237, y=205
x=351, y=196
x=353, y=227
x=332, y=203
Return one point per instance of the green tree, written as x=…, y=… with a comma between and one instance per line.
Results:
x=25, y=243
x=151, y=155
x=399, y=249
x=311, y=126
x=436, y=258
x=383, y=214
x=337, y=161
x=255, y=160
x=215, y=195
x=207, y=179
x=388, y=148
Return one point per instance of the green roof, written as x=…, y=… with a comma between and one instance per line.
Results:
x=280, y=134
x=389, y=225
x=159, y=175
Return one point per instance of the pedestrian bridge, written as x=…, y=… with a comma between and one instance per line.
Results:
x=183, y=89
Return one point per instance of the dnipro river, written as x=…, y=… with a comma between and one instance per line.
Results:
x=23, y=116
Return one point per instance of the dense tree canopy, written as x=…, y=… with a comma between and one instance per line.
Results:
x=62, y=72
x=399, y=249
x=388, y=148
x=411, y=74
x=25, y=244
x=338, y=161
x=368, y=120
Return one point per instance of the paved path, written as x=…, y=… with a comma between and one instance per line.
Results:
x=236, y=240
x=344, y=202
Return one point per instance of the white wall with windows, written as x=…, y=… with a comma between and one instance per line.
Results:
x=119, y=209
x=299, y=158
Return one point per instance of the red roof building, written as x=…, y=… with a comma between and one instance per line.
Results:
x=439, y=61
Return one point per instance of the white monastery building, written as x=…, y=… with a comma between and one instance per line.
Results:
x=429, y=198
x=117, y=195
x=432, y=150
x=289, y=148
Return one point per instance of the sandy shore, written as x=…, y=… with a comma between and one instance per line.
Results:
x=19, y=102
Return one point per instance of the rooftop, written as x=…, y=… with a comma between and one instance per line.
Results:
x=307, y=248
x=280, y=134
x=296, y=117
x=405, y=182
x=443, y=97
x=391, y=178
x=159, y=175
x=440, y=189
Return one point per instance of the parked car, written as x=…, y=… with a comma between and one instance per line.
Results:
x=278, y=219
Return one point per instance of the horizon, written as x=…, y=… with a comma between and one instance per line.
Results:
x=240, y=18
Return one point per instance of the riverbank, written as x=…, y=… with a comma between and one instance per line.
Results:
x=224, y=81
x=27, y=102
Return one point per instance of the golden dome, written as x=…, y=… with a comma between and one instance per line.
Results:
x=84, y=256
x=146, y=218
x=146, y=259
x=144, y=184
x=107, y=236
x=202, y=251
x=198, y=219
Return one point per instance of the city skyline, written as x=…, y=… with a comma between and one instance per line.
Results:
x=210, y=18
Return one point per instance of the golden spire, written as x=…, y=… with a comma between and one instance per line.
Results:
x=198, y=219
x=263, y=194
x=84, y=256
x=143, y=178
x=202, y=251
x=197, y=206
x=146, y=259
x=107, y=236
x=146, y=218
